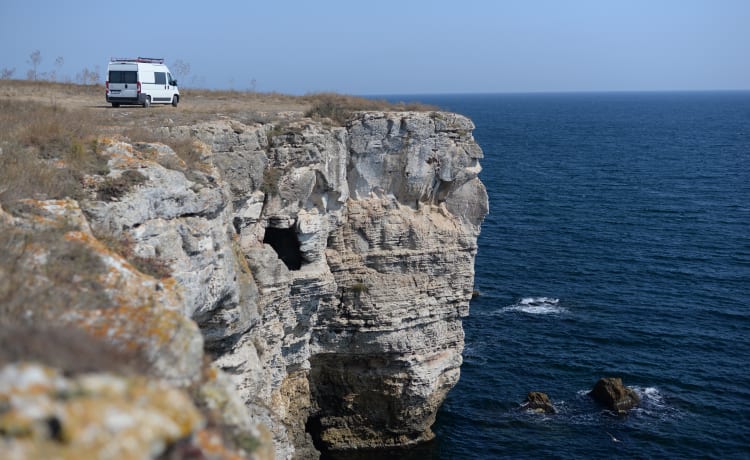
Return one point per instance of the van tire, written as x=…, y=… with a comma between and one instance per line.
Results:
x=175, y=100
x=115, y=104
x=147, y=102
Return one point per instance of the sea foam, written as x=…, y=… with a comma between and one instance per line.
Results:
x=537, y=306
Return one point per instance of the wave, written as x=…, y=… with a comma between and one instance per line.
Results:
x=654, y=404
x=651, y=395
x=537, y=306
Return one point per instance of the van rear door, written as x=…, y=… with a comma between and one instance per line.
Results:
x=123, y=81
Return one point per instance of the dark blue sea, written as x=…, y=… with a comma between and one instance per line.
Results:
x=617, y=244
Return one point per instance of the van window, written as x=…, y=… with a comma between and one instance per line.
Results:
x=123, y=76
x=160, y=78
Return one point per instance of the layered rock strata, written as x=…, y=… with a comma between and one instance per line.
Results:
x=327, y=268
x=373, y=229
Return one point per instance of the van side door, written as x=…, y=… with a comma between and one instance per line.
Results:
x=161, y=88
x=146, y=77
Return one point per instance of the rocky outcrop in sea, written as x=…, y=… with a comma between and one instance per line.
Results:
x=614, y=395
x=307, y=281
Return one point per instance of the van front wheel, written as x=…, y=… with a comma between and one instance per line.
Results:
x=147, y=102
x=175, y=100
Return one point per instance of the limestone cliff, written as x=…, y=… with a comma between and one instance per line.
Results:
x=327, y=268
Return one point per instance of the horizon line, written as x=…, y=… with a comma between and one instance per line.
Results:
x=552, y=92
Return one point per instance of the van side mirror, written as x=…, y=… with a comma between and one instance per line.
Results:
x=173, y=83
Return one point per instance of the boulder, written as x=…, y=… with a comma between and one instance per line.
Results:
x=538, y=402
x=610, y=392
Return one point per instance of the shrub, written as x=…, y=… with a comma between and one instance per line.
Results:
x=339, y=108
x=332, y=106
x=271, y=178
x=282, y=129
x=116, y=187
x=360, y=288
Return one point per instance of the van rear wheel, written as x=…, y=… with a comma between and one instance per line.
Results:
x=147, y=102
x=175, y=100
x=115, y=104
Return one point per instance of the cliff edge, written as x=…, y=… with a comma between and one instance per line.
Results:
x=322, y=270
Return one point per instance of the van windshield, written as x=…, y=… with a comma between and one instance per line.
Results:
x=123, y=76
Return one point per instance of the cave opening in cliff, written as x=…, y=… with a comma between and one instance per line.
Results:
x=286, y=244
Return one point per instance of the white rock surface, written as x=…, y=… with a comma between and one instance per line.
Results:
x=348, y=315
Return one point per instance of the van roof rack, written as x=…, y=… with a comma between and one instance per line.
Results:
x=138, y=59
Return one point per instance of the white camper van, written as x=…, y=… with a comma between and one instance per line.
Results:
x=140, y=81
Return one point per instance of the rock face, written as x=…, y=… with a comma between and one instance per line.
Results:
x=388, y=347
x=360, y=243
x=67, y=277
x=117, y=349
x=325, y=270
x=611, y=393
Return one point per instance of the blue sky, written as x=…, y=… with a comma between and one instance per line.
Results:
x=397, y=46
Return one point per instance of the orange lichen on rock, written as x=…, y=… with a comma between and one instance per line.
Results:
x=115, y=302
x=48, y=415
x=212, y=446
x=126, y=285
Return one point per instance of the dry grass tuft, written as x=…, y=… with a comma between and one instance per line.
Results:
x=24, y=175
x=46, y=150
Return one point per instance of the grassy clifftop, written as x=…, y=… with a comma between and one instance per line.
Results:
x=197, y=104
x=49, y=131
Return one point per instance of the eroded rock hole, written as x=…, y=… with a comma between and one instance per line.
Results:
x=286, y=244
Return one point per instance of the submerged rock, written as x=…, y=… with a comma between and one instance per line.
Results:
x=539, y=402
x=611, y=392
